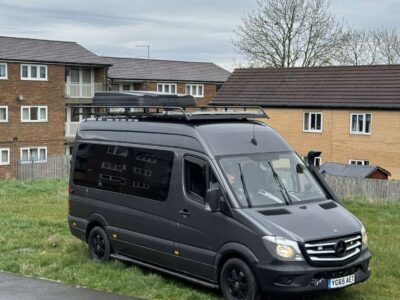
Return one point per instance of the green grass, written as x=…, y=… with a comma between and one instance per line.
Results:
x=35, y=240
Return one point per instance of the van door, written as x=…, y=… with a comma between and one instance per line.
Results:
x=201, y=232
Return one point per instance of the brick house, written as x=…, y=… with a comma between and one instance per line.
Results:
x=351, y=114
x=199, y=79
x=39, y=81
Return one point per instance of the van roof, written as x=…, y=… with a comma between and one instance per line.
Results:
x=222, y=137
x=155, y=119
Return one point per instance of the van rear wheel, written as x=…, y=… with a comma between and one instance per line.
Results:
x=99, y=245
x=238, y=281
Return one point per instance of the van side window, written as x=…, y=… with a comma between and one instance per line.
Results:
x=196, y=178
x=139, y=172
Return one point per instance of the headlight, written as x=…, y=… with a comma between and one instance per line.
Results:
x=364, y=237
x=282, y=248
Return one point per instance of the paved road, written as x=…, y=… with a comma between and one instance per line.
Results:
x=14, y=287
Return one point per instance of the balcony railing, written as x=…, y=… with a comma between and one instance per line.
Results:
x=81, y=90
x=71, y=128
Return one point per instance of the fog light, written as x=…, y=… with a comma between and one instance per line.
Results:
x=316, y=282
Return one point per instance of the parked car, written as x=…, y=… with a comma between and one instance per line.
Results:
x=209, y=195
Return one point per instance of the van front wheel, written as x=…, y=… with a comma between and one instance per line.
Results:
x=99, y=245
x=238, y=281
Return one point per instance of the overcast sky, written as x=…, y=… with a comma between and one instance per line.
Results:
x=198, y=30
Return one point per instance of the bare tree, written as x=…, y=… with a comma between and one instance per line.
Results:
x=289, y=33
x=368, y=47
x=358, y=48
x=388, y=45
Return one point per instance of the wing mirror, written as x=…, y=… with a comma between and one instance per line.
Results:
x=214, y=199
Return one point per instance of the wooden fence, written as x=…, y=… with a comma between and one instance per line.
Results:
x=55, y=167
x=347, y=187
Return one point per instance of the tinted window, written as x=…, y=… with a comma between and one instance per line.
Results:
x=134, y=171
x=196, y=178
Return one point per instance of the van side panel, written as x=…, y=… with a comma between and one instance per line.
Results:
x=142, y=228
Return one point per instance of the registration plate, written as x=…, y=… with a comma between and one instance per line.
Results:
x=341, y=282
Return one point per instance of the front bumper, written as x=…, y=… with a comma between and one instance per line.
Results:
x=301, y=278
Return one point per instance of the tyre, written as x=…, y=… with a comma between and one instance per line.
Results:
x=238, y=281
x=99, y=245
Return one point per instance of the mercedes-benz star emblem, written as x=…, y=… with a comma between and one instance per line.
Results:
x=340, y=248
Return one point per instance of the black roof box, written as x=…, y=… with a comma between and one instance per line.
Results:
x=139, y=98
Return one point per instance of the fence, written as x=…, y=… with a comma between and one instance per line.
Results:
x=55, y=167
x=346, y=187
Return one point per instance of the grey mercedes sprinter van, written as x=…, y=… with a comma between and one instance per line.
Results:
x=209, y=195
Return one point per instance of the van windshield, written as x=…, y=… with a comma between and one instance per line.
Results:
x=270, y=179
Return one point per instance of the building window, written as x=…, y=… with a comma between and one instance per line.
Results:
x=195, y=90
x=312, y=122
x=4, y=156
x=125, y=87
x=166, y=88
x=360, y=123
x=359, y=162
x=3, y=71
x=68, y=149
x=317, y=161
x=33, y=72
x=3, y=114
x=33, y=155
x=33, y=113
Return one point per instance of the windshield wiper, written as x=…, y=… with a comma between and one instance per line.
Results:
x=246, y=193
x=284, y=191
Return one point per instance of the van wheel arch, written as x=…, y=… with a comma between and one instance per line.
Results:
x=234, y=250
x=95, y=220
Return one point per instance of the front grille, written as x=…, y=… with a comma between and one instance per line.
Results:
x=333, y=250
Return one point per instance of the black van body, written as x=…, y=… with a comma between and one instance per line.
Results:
x=191, y=197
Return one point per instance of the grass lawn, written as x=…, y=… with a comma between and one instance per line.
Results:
x=35, y=240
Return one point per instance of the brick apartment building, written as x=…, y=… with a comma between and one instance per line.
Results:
x=199, y=79
x=39, y=80
x=351, y=114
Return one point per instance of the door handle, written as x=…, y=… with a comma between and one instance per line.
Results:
x=184, y=212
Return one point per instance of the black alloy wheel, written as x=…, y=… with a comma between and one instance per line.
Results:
x=99, y=245
x=238, y=281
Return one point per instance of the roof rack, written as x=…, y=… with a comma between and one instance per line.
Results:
x=171, y=112
x=149, y=105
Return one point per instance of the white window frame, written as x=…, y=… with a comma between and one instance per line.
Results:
x=8, y=157
x=197, y=95
x=318, y=158
x=364, y=123
x=6, y=119
x=356, y=161
x=309, y=121
x=29, y=66
x=6, y=71
x=163, y=84
x=30, y=159
x=38, y=120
